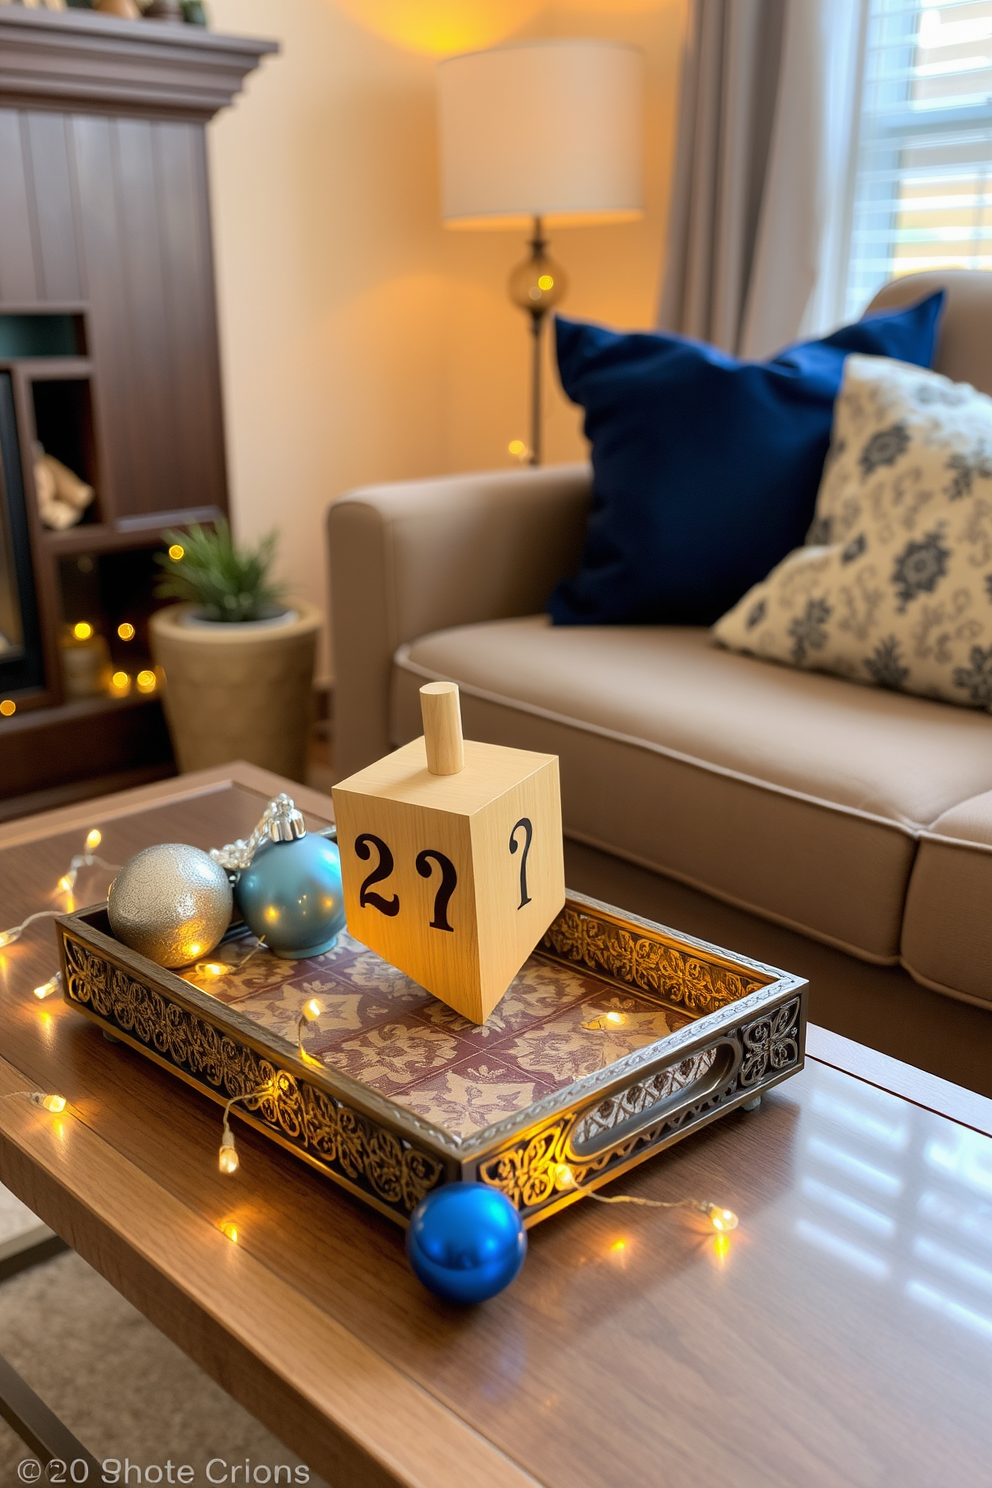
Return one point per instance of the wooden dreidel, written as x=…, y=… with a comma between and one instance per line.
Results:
x=451, y=857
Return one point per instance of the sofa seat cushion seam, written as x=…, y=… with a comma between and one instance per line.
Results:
x=402, y=659
x=967, y=843
x=934, y=986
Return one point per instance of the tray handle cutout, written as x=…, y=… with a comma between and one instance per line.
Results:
x=659, y=1093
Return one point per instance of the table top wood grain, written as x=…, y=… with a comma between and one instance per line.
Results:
x=841, y=1336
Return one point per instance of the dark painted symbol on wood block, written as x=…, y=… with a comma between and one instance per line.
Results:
x=528, y=827
x=363, y=847
x=449, y=878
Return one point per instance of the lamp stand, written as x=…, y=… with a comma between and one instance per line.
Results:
x=537, y=285
x=536, y=327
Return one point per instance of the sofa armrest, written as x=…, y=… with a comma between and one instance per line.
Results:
x=418, y=556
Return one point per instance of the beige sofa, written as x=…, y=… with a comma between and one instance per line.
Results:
x=855, y=819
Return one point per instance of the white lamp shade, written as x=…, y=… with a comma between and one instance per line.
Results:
x=550, y=129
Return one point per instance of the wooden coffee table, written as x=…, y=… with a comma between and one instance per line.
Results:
x=842, y=1336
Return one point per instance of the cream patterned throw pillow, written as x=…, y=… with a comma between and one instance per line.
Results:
x=894, y=585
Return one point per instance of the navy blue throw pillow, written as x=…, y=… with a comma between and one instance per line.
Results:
x=705, y=468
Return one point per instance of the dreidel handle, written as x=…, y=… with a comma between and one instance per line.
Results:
x=442, y=714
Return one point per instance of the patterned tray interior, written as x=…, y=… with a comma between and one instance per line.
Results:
x=556, y=1023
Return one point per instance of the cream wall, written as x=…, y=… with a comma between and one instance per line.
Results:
x=361, y=341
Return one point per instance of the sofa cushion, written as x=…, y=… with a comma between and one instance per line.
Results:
x=705, y=468
x=794, y=795
x=947, y=929
x=893, y=585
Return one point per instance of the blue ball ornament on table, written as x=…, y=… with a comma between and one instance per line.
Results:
x=466, y=1242
x=291, y=895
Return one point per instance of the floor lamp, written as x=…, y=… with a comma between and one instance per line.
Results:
x=544, y=134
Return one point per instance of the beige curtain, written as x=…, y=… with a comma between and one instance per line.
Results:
x=727, y=109
x=760, y=221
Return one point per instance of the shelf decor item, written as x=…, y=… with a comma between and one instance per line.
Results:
x=172, y=903
x=465, y=1242
x=617, y=1038
x=451, y=855
x=62, y=496
x=85, y=657
x=289, y=883
x=238, y=663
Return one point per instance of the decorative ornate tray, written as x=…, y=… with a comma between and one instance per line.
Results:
x=617, y=1038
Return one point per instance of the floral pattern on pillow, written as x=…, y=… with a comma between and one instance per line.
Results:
x=893, y=587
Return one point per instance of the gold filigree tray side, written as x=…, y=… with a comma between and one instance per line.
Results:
x=616, y=1038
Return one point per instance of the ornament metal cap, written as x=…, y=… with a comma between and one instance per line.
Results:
x=286, y=823
x=281, y=822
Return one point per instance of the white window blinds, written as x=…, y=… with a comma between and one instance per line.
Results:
x=923, y=196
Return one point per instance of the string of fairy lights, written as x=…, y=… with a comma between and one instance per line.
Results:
x=88, y=858
x=718, y=1218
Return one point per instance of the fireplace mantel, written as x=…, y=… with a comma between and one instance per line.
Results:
x=80, y=61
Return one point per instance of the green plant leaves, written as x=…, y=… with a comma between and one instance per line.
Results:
x=225, y=581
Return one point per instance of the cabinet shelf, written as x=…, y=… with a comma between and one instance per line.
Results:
x=131, y=532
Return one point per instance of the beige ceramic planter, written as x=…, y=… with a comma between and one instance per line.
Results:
x=238, y=691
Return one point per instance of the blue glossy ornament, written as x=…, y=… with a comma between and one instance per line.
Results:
x=291, y=894
x=466, y=1242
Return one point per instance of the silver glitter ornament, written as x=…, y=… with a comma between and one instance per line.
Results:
x=172, y=903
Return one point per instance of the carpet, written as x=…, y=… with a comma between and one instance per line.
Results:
x=121, y=1387
x=19, y=1228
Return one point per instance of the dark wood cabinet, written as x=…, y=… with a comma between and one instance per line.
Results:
x=108, y=333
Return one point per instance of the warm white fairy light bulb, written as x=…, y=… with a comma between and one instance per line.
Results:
x=47, y=988
x=227, y=1158
x=722, y=1220
x=309, y=1012
x=603, y=1022
x=54, y=1103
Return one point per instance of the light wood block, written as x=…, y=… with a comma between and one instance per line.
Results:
x=453, y=877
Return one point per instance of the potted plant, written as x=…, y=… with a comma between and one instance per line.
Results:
x=238, y=662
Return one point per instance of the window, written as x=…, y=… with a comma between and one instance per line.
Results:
x=923, y=196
